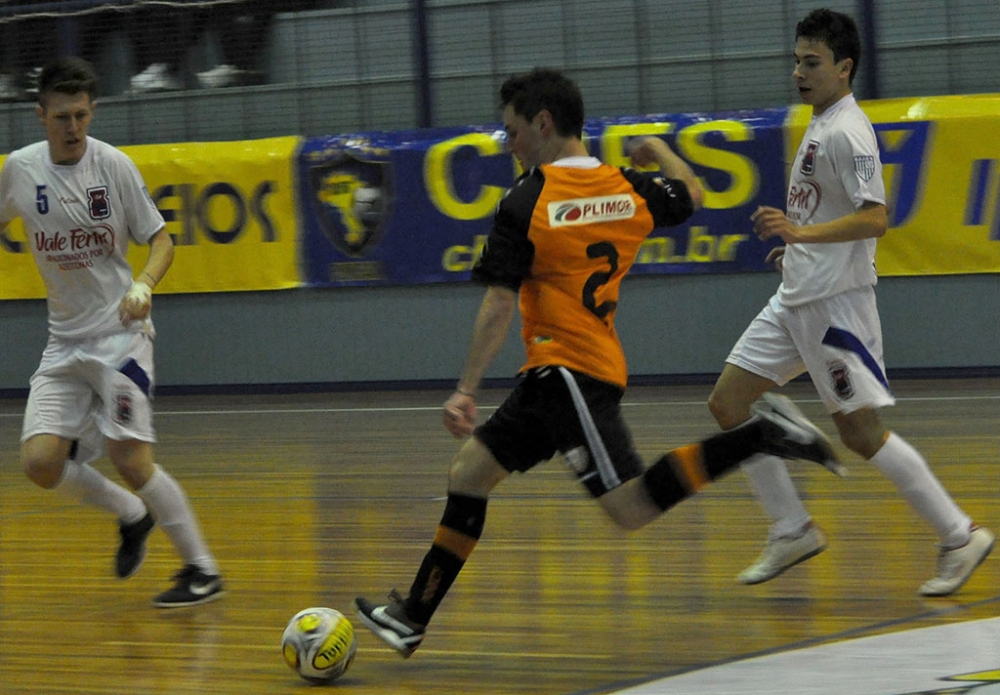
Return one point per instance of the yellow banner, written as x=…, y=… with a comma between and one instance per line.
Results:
x=229, y=206
x=941, y=163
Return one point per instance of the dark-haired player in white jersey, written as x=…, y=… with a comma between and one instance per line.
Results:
x=562, y=240
x=823, y=319
x=81, y=201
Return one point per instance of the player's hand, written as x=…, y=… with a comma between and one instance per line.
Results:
x=136, y=303
x=647, y=151
x=460, y=414
x=776, y=256
x=771, y=222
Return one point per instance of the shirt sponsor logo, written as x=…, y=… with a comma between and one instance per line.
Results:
x=77, y=248
x=864, y=166
x=564, y=213
x=803, y=200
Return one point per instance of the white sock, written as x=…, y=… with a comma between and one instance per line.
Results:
x=86, y=484
x=774, y=489
x=169, y=506
x=909, y=472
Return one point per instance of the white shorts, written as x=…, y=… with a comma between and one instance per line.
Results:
x=104, y=383
x=838, y=340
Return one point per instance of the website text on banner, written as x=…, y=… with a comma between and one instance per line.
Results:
x=229, y=207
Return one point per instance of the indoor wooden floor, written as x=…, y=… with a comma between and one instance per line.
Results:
x=313, y=499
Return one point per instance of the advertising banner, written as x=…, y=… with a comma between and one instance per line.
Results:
x=940, y=158
x=229, y=206
x=416, y=207
x=413, y=207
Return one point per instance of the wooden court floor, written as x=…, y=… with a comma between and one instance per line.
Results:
x=313, y=499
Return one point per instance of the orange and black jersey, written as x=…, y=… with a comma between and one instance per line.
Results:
x=564, y=237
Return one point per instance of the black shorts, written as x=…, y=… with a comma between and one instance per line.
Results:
x=555, y=409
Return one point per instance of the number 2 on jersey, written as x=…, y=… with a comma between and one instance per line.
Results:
x=602, y=249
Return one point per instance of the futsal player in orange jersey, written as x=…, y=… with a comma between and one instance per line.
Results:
x=562, y=240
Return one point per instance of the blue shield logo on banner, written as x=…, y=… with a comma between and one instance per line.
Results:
x=351, y=196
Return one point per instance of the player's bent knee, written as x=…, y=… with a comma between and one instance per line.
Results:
x=627, y=508
x=725, y=411
x=43, y=471
x=628, y=519
x=135, y=473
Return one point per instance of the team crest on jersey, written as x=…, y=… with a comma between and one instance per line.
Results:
x=352, y=196
x=840, y=378
x=607, y=208
x=864, y=166
x=98, y=203
x=808, y=166
x=123, y=408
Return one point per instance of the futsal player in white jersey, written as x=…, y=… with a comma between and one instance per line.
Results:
x=81, y=200
x=823, y=319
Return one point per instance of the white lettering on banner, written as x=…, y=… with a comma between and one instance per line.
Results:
x=563, y=213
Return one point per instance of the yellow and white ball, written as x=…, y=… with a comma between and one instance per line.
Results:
x=319, y=644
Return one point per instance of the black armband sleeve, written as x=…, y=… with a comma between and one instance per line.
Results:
x=669, y=199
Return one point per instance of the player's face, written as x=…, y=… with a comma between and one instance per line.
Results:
x=66, y=119
x=524, y=138
x=821, y=81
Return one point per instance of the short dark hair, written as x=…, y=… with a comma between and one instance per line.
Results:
x=837, y=30
x=67, y=75
x=549, y=90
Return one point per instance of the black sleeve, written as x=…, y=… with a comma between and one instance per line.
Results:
x=507, y=257
x=668, y=199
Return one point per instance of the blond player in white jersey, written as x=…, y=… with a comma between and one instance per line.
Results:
x=823, y=319
x=81, y=200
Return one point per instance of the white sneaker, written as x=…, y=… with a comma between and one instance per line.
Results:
x=155, y=78
x=955, y=566
x=781, y=553
x=220, y=76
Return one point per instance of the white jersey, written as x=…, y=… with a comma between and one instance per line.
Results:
x=837, y=170
x=78, y=219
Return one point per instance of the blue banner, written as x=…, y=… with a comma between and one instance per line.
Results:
x=416, y=206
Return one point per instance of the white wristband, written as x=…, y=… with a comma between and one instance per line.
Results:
x=140, y=293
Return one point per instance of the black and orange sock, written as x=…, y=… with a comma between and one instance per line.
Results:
x=684, y=471
x=456, y=538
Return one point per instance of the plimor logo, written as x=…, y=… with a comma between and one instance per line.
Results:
x=563, y=213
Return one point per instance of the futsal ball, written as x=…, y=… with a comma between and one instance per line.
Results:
x=319, y=644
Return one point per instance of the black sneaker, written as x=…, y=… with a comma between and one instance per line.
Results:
x=794, y=436
x=390, y=624
x=132, y=550
x=193, y=587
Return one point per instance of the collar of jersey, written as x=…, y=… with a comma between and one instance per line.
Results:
x=578, y=162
